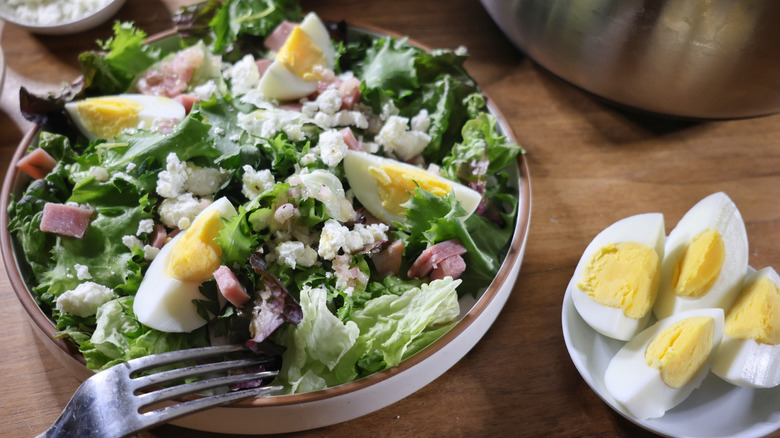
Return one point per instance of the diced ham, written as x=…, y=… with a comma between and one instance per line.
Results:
x=349, y=139
x=37, y=163
x=187, y=100
x=262, y=65
x=171, y=78
x=349, y=90
x=159, y=237
x=432, y=256
x=451, y=266
x=230, y=287
x=67, y=220
x=388, y=261
x=276, y=40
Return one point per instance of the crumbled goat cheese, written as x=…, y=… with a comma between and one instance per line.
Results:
x=82, y=272
x=145, y=226
x=44, y=13
x=243, y=75
x=332, y=147
x=329, y=102
x=266, y=123
x=85, y=299
x=341, y=118
x=150, y=252
x=294, y=253
x=255, y=182
x=421, y=122
x=205, y=90
x=131, y=242
x=203, y=181
x=396, y=137
x=171, y=181
x=179, y=178
x=180, y=211
x=337, y=237
x=100, y=173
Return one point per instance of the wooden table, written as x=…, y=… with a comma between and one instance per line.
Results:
x=590, y=165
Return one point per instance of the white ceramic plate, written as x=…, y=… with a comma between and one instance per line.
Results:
x=716, y=409
x=289, y=413
x=94, y=19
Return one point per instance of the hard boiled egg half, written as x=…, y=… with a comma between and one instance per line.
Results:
x=383, y=184
x=660, y=367
x=306, y=54
x=616, y=280
x=108, y=116
x=706, y=258
x=749, y=354
x=172, y=282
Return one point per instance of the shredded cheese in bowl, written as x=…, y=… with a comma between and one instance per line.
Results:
x=49, y=12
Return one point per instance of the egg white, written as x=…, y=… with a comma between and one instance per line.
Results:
x=716, y=211
x=647, y=229
x=637, y=386
x=164, y=303
x=745, y=362
x=155, y=109
x=365, y=186
x=279, y=83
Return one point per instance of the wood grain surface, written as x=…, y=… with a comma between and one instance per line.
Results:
x=590, y=165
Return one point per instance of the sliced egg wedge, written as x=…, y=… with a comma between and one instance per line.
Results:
x=383, y=184
x=164, y=300
x=661, y=366
x=705, y=258
x=306, y=54
x=749, y=354
x=616, y=280
x=108, y=116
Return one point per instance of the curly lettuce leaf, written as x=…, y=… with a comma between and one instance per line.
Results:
x=250, y=18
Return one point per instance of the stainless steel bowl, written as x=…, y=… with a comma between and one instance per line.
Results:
x=710, y=59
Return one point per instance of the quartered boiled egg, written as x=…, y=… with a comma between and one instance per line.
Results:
x=108, y=116
x=383, y=184
x=660, y=367
x=616, y=280
x=749, y=354
x=172, y=282
x=299, y=64
x=706, y=258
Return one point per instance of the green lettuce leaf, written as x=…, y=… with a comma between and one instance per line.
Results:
x=250, y=18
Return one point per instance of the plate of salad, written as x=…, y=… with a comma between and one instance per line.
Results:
x=332, y=196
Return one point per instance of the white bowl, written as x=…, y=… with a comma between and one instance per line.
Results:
x=289, y=413
x=94, y=19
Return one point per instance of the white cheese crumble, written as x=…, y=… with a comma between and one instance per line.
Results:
x=397, y=138
x=82, y=272
x=293, y=253
x=100, y=173
x=85, y=299
x=145, y=226
x=131, y=242
x=255, y=182
x=332, y=147
x=181, y=177
x=205, y=90
x=243, y=75
x=336, y=237
x=180, y=211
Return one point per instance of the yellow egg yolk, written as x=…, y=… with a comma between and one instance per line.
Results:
x=301, y=55
x=624, y=276
x=756, y=313
x=195, y=256
x=395, y=184
x=700, y=264
x=681, y=349
x=106, y=117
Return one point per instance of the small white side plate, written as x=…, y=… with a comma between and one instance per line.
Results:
x=716, y=409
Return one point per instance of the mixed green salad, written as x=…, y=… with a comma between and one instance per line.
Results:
x=324, y=201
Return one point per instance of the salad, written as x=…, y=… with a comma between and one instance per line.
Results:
x=321, y=195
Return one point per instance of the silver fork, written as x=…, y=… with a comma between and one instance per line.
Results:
x=111, y=403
